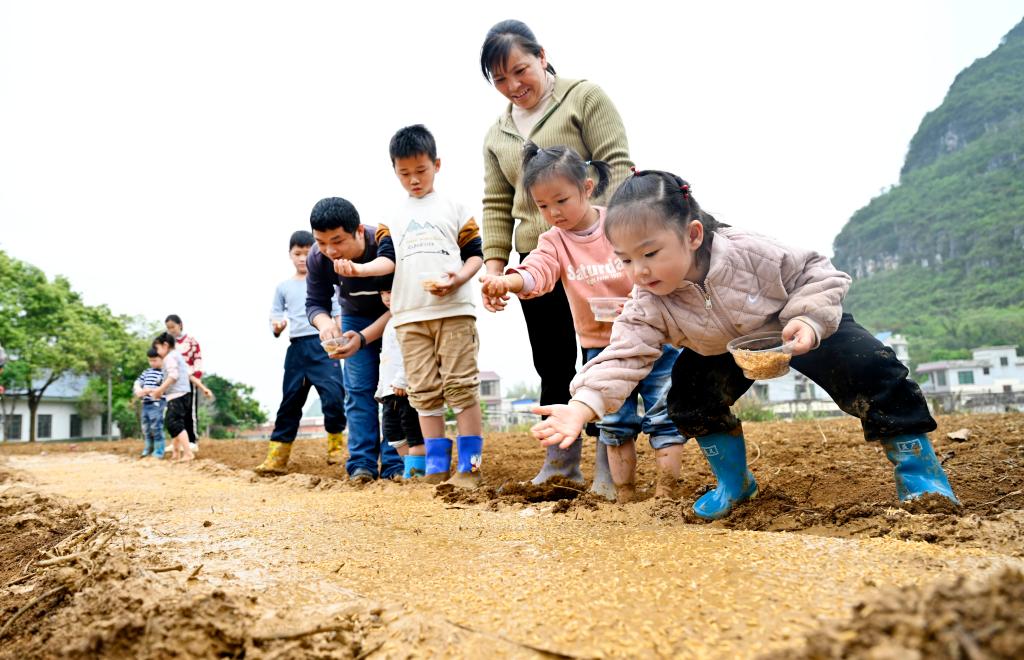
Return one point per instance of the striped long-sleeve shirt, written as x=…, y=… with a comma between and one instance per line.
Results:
x=149, y=379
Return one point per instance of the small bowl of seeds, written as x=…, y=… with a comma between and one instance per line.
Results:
x=762, y=355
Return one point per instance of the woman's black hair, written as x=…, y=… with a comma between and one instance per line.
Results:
x=173, y=317
x=540, y=164
x=671, y=197
x=500, y=41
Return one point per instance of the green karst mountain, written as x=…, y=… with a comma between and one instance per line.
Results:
x=940, y=256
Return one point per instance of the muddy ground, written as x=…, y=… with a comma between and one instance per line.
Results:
x=890, y=580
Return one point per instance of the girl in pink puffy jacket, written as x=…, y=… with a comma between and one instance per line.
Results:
x=701, y=284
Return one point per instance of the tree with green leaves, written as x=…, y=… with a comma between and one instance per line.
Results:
x=47, y=328
x=232, y=407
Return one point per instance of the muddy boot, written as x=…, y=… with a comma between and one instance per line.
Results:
x=415, y=466
x=560, y=462
x=603, y=485
x=622, y=462
x=470, y=450
x=277, y=459
x=727, y=455
x=335, y=448
x=439, y=459
x=917, y=471
x=360, y=477
x=669, y=461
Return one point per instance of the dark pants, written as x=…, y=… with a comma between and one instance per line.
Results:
x=306, y=365
x=553, y=342
x=861, y=374
x=193, y=415
x=400, y=421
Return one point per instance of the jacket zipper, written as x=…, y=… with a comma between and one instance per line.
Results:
x=705, y=291
x=706, y=294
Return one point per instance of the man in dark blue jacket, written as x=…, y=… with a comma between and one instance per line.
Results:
x=340, y=235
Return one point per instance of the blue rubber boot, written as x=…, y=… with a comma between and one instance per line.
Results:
x=147, y=447
x=439, y=459
x=470, y=449
x=727, y=455
x=158, y=447
x=415, y=466
x=917, y=471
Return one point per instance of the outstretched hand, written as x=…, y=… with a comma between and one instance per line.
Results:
x=801, y=334
x=347, y=268
x=494, y=290
x=349, y=348
x=563, y=425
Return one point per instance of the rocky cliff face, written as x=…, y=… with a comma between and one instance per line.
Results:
x=948, y=241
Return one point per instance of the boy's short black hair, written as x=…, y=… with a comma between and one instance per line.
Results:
x=173, y=317
x=301, y=238
x=151, y=353
x=164, y=338
x=332, y=213
x=413, y=141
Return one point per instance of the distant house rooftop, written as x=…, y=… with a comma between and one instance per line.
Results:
x=953, y=364
x=68, y=387
x=489, y=375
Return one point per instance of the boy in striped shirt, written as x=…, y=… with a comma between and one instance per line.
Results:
x=152, y=408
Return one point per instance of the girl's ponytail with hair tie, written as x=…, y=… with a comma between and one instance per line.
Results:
x=632, y=168
x=686, y=190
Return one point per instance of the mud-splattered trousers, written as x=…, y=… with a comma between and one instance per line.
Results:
x=862, y=375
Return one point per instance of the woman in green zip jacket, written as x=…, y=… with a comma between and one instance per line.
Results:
x=548, y=110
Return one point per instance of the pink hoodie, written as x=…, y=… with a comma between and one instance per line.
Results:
x=587, y=267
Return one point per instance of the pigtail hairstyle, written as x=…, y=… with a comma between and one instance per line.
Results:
x=673, y=200
x=540, y=163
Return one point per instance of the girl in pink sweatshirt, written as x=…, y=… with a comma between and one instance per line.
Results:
x=701, y=284
x=576, y=252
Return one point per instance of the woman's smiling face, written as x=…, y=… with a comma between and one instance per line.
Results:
x=523, y=79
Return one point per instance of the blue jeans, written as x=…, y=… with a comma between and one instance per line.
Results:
x=153, y=427
x=625, y=424
x=360, y=373
x=307, y=365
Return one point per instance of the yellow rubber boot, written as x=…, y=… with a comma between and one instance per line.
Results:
x=335, y=448
x=277, y=459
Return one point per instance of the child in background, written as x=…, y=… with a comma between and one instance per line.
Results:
x=305, y=366
x=702, y=284
x=177, y=389
x=432, y=244
x=576, y=251
x=152, y=408
x=399, y=420
x=188, y=348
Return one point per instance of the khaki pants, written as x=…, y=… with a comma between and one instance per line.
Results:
x=440, y=363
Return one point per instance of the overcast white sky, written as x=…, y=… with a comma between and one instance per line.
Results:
x=159, y=155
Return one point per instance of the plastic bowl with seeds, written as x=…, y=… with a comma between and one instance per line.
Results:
x=762, y=355
x=606, y=309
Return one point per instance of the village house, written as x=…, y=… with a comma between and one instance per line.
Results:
x=991, y=381
x=57, y=418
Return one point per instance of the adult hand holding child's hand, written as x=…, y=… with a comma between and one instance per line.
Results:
x=563, y=425
x=802, y=336
x=494, y=290
x=346, y=268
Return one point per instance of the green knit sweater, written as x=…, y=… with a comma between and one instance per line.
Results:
x=580, y=116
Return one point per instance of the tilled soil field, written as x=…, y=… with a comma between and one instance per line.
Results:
x=106, y=555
